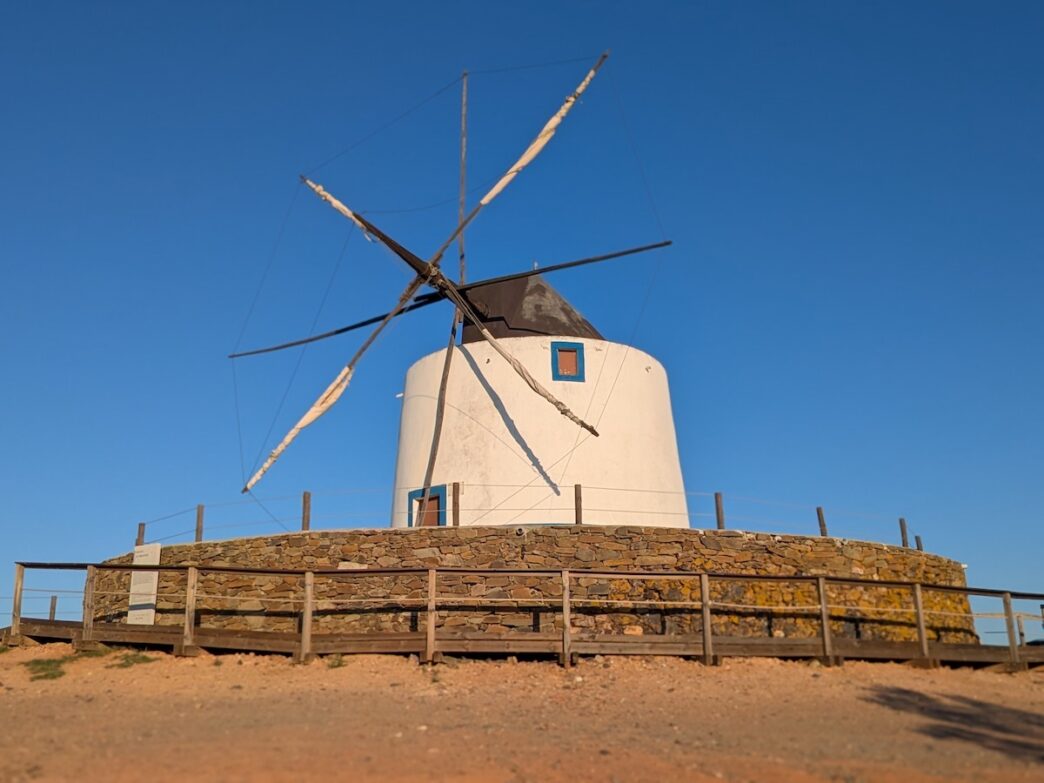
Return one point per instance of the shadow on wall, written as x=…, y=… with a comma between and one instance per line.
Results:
x=1015, y=733
x=498, y=403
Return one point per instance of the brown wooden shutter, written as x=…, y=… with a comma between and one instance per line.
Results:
x=567, y=362
x=431, y=512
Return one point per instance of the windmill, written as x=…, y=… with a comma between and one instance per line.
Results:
x=462, y=295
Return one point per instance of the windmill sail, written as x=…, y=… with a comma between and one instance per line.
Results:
x=544, y=136
x=534, y=149
x=431, y=272
x=326, y=196
x=433, y=275
x=319, y=407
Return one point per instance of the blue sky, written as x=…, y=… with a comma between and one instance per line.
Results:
x=850, y=316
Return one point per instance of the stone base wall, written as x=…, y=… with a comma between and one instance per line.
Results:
x=502, y=603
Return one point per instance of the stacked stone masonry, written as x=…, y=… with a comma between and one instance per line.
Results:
x=351, y=601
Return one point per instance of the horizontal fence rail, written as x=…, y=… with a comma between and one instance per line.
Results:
x=564, y=641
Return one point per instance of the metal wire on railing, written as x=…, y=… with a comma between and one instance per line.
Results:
x=601, y=506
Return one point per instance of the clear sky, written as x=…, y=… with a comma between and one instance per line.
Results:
x=851, y=315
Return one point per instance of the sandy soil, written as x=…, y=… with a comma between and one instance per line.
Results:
x=261, y=718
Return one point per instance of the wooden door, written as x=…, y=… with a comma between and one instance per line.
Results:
x=431, y=514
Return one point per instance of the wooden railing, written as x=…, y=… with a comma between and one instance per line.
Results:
x=708, y=646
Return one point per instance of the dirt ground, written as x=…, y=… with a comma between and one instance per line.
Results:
x=261, y=718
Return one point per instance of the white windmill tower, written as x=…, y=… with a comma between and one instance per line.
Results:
x=469, y=414
x=513, y=460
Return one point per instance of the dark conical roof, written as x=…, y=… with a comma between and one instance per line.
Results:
x=523, y=308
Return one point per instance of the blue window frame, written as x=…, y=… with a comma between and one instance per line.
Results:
x=567, y=361
x=414, y=498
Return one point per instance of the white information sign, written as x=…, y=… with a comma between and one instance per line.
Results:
x=144, y=584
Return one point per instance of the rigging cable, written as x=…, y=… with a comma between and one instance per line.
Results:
x=239, y=421
x=588, y=58
x=250, y=312
x=568, y=456
x=265, y=508
x=264, y=276
x=663, y=234
x=359, y=142
x=268, y=265
x=482, y=186
x=304, y=348
x=315, y=168
x=656, y=269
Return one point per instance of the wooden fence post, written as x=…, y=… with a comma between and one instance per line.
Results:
x=141, y=535
x=705, y=609
x=52, y=612
x=188, y=633
x=456, y=504
x=920, y=543
x=1013, y=640
x=199, y=522
x=304, y=655
x=903, y=533
x=719, y=510
x=429, y=643
x=822, y=521
x=824, y=619
x=578, y=505
x=88, y=606
x=922, y=630
x=567, y=620
x=306, y=510
x=16, y=604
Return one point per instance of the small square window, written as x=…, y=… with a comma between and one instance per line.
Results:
x=567, y=361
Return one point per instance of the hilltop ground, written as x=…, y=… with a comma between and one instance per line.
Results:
x=253, y=718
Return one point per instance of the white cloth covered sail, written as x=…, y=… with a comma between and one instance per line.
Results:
x=326, y=196
x=322, y=405
x=544, y=136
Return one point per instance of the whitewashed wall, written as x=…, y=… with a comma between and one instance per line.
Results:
x=517, y=458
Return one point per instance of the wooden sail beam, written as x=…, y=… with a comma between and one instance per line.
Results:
x=463, y=171
x=440, y=400
x=516, y=365
x=437, y=296
x=440, y=415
